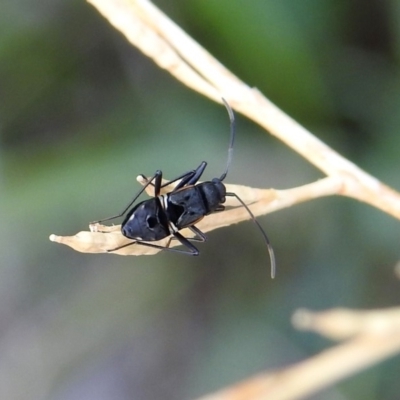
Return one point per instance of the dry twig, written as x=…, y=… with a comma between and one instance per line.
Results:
x=171, y=48
x=374, y=335
x=101, y=238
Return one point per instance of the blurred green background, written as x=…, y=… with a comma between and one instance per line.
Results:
x=82, y=113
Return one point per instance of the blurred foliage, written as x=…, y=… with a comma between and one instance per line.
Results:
x=82, y=113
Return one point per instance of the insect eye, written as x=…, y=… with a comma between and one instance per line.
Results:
x=151, y=222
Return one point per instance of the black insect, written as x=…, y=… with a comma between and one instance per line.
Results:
x=165, y=215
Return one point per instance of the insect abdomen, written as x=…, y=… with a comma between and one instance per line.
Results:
x=213, y=194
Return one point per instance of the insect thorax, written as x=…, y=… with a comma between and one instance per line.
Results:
x=188, y=205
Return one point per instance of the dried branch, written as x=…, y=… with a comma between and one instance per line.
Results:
x=340, y=323
x=171, y=48
x=102, y=238
x=375, y=335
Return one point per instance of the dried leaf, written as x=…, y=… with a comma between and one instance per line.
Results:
x=103, y=238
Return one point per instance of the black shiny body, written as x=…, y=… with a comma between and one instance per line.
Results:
x=190, y=204
x=165, y=215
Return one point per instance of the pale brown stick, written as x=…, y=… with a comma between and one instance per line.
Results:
x=171, y=48
x=375, y=335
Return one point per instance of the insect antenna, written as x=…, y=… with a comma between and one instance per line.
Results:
x=266, y=240
x=223, y=176
x=232, y=139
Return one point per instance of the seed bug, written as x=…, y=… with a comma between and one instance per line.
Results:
x=165, y=215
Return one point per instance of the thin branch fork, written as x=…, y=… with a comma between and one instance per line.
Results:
x=372, y=336
x=171, y=48
x=301, y=380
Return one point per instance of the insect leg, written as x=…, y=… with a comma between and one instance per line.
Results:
x=267, y=242
x=191, y=180
x=192, y=249
x=188, y=178
x=200, y=236
x=157, y=177
x=185, y=175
